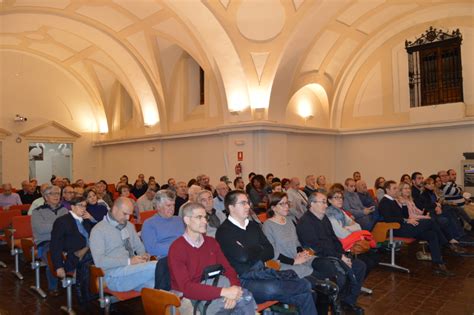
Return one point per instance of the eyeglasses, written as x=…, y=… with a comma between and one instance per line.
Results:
x=54, y=194
x=200, y=217
x=320, y=201
x=338, y=198
x=243, y=203
x=283, y=204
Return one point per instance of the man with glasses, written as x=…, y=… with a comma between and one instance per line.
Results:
x=117, y=249
x=42, y=220
x=191, y=254
x=247, y=249
x=213, y=219
x=162, y=229
x=70, y=235
x=315, y=231
x=68, y=195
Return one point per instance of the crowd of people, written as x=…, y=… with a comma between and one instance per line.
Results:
x=314, y=231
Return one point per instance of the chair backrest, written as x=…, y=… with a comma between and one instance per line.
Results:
x=158, y=301
x=262, y=217
x=26, y=245
x=147, y=214
x=22, y=225
x=21, y=207
x=111, y=188
x=50, y=265
x=381, y=229
x=7, y=216
x=95, y=274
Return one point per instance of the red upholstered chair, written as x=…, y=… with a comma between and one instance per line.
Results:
x=23, y=208
x=5, y=223
x=30, y=254
x=107, y=296
x=21, y=228
x=147, y=214
x=262, y=217
x=67, y=283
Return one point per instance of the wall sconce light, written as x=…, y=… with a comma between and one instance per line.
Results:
x=235, y=112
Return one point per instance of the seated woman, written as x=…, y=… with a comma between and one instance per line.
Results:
x=97, y=210
x=412, y=212
x=281, y=232
x=378, y=188
x=405, y=179
x=257, y=194
x=347, y=230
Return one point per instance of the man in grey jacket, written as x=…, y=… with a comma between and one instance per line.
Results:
x=42, y=219
x=118, y=250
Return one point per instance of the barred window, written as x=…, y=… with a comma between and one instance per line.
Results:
x=435, y=69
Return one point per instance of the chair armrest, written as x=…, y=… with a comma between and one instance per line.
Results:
x=273, y=264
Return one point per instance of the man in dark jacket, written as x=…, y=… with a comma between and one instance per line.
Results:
x=70, y=235
x=246, y=248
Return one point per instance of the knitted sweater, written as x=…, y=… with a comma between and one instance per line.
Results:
x=107, y=247
x=159, y=233
x=42, y=220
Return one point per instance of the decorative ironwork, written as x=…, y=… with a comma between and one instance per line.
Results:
x=435, y=68
x=433, y=35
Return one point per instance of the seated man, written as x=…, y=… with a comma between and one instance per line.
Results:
x=364, y=196
x=117, y=249
x=27, y=193
x=145, y=202
x=9, y=198
x=315, y=231
x=366, y=217
x=297, y=198
x=247, y=248
x=310, y=185
x=221, y=189
x=213, y=219
x=68, y=195
x=191, y=253
x=70, y=235
x=140, y=186
x=159, y=231
x=181, y=196
x=42, y=220
x=391, y=211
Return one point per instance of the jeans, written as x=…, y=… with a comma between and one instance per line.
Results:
x=427, y=232
x=349, y=280
x=131, y=277
x=266, y=285
x=43, y=251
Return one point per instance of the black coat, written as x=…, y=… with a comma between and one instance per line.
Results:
x=66, y=238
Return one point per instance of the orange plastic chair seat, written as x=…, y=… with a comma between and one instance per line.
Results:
x=406, y=240
x=265, y=305
x=123, y=296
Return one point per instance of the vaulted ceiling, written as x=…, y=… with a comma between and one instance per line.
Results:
x=258, y=53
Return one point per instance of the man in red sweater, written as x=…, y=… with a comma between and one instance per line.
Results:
x=191, y=253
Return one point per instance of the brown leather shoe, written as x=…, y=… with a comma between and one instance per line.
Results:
x=441, y=270
x=457, y=250
x=54, y=293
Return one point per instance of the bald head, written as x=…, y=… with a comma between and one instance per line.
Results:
x=7, y=189
x=361, y=186
x=295, y=183
x=122, y=209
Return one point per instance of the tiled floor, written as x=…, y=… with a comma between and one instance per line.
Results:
x=395, y=292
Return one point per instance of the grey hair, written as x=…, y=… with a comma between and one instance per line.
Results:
x=189, y=207
x=163, y=195
x=203, y=192
x=312, y=198
x=49, y=189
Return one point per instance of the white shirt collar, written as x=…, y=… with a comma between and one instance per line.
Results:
x=389, y=197
x=75, y=216
x=235, y=222
x=195, y=244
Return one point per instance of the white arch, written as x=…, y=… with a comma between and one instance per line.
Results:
x=384, y=35
x=132, y=69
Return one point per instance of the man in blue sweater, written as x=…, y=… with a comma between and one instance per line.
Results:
x=159, y=231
